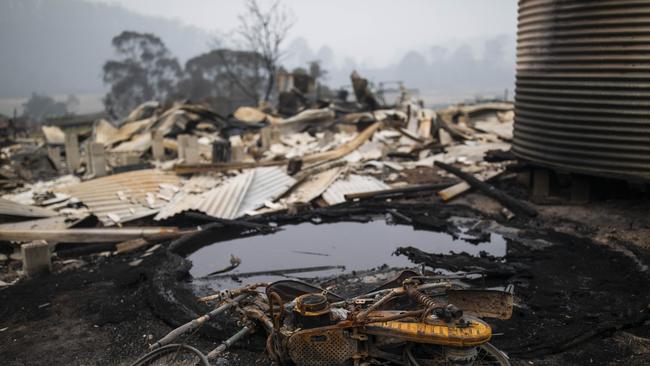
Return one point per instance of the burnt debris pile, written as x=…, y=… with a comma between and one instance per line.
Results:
x=126, y=200
x=120, y=186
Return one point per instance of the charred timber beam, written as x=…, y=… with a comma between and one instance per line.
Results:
x=399, y=192
x=505, y=199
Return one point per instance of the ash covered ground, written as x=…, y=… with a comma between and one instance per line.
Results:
x=578, y=301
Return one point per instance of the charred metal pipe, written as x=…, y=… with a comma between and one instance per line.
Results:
x=259, y=315
x=276, y=318
x=379, y=292
x=364, y=314
x=229, y=342
x=219, y=296
x=195, y=323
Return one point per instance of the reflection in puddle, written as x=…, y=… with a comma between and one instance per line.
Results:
x=356, y=246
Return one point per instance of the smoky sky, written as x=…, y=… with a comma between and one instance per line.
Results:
x=58, y=47
x=373, y=32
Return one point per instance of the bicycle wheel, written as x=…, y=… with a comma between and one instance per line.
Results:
x=488, y=355
x=173, y=355
x=484, y=355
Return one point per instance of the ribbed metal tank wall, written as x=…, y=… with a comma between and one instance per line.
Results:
x=582, y=99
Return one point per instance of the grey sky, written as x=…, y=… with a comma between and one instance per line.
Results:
x=374, y=32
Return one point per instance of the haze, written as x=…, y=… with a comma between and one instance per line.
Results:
x=373, y=32
x=448, y=49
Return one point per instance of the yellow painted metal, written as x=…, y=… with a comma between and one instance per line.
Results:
x=474, y=333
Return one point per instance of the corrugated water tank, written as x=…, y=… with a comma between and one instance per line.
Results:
x=582, y=99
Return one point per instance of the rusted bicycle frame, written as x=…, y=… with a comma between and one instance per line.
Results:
x=307, y=325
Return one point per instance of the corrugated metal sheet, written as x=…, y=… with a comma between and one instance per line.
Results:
x=314, y=185
x=188, y=196
x=10, y=208
x=102, y=197
x=267, y=185
x=352, y=184
x=583, y=86
x=181, y=202
x=235, y=197
x=224, y=201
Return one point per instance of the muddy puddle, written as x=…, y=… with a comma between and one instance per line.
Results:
x=347, y=246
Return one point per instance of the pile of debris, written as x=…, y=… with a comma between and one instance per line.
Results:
x=128, y=184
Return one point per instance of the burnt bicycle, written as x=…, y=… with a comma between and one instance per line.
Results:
x=413, y=320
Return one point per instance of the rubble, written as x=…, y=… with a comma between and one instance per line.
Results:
x=234, y=197
x=124, y=197
x=262, y=161
x=169, y=176
x=504, y=198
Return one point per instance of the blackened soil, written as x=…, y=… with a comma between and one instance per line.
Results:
x=101, y=314
x=580, y=303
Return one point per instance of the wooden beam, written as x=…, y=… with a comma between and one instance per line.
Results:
x=90, y=236
x=505, y=199
x=456, y=190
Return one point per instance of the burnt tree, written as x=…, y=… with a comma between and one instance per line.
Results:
x=264, y=31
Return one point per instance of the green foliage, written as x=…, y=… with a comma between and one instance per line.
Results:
x=145, y=70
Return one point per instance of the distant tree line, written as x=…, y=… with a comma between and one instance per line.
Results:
x=224, y=77
x=40, y=107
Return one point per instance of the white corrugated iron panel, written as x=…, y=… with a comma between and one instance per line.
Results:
x=102, y=197
x=352, y=184
x=224, y=201
x=268, y=184
x=181, y=202
x=234, y=197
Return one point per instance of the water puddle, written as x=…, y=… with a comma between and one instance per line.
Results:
x=349, y=246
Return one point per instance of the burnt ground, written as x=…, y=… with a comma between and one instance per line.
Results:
x=579, y=302
x=101, y=314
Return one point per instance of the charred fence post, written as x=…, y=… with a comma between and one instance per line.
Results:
x=221, y=151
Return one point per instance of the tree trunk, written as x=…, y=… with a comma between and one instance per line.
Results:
x=271, y=82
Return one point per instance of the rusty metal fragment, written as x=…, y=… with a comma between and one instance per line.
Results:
x=483, y=303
